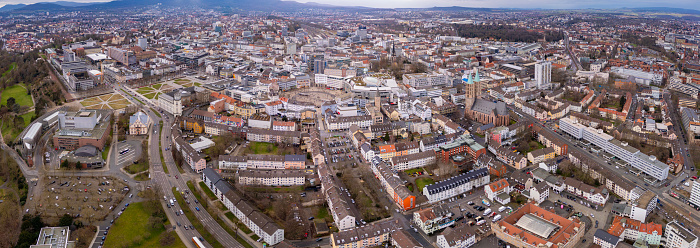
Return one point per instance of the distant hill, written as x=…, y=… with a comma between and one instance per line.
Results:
x=667, y=10
x=9, y=7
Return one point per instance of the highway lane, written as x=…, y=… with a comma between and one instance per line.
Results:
x=162, y=182
x=177, y=180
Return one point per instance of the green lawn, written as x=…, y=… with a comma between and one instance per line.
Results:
x=207, y=191
x=144, y=90
x=8, y=129
x=150, y=95
x=411, y=171
x=241, y=226
x=105, y=152
x=142, y=177
x=158, y=114
x=422, y=182
x=132, y=225
x=136, y=168
x=156, y=86
x=322, y=213
x=19, y=93
x=12, y=67
x=262, y=148
x=255, y=237
x=196, y=222
x=28, y=117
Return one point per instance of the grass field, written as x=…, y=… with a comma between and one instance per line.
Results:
x=136, y=168
x=105, y=152
x=241, y=226
x=411, y=171
x=12, y=67
x=28, y=117
x=19, y=93
x=8, y=129
x=131, y=226
x=422, y=182
x=262, y=148
x=196, y=222
x=207, y=191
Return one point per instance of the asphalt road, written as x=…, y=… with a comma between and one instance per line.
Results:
x=660, y=190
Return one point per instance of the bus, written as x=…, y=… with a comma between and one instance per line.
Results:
x=197, y=243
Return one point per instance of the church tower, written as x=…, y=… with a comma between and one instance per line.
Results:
x=472, y=88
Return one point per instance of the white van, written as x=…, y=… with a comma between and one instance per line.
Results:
x=481, y=222
x=496, y=218
x=487, y=212
x=501, y=209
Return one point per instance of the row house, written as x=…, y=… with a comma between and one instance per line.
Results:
x=393, y=184
x=592, y=194
x=550, y=140
x=535, y=111
x=313, y=146
x=340, y=208
x=272, y=177
x=509, y=157
x=456, y=185
x=540, y=155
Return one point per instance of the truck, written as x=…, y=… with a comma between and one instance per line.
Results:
x=496, y=218
x=172, y=203
x=486, y=202
x=501, y=209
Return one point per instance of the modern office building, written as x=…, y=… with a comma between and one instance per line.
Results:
x=695, y=195
x=85, y=127
x=620, y=149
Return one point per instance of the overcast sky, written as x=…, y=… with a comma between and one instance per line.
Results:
x=545, y=4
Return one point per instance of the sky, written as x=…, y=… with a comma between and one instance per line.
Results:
x=545, y=4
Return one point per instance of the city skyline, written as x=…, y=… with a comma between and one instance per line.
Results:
x=532, y=4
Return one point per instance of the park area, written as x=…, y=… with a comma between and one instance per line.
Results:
x=19, y=93
x=423, y=181
x=152, y=91
x=108, y=101
x=186, y=83
x=138, y=227
x=269, y=149
x=88, y=198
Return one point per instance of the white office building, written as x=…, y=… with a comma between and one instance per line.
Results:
x=695, y=195
x=645, y=163
x=679, y=237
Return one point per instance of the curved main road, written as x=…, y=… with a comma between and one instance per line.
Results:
x=166, y=182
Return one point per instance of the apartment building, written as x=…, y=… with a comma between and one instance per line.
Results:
x=284, y=126
x=635, y=230
x=273, y=136
x=463, y=144
x=678, y=236
x=257, y=222
x=695, y=195
x=189, y=155
x=605, y=239
x=499, y=191
x=344, y=123
x=508, y=157
x=638, y=209
x=433, y=219
x=393, y=184
x=539, y=155
x=340, y=209
x=272, y=177
x=410, y=161
x=459, y=237
x=370, y=235
x=402, y=239
x=456, y=185
x=594, y=195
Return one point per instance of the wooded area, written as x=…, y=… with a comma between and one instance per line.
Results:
x=505, y=33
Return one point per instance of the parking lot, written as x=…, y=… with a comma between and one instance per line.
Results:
x=340, y=151
x=127, y=152
x=86, y=198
